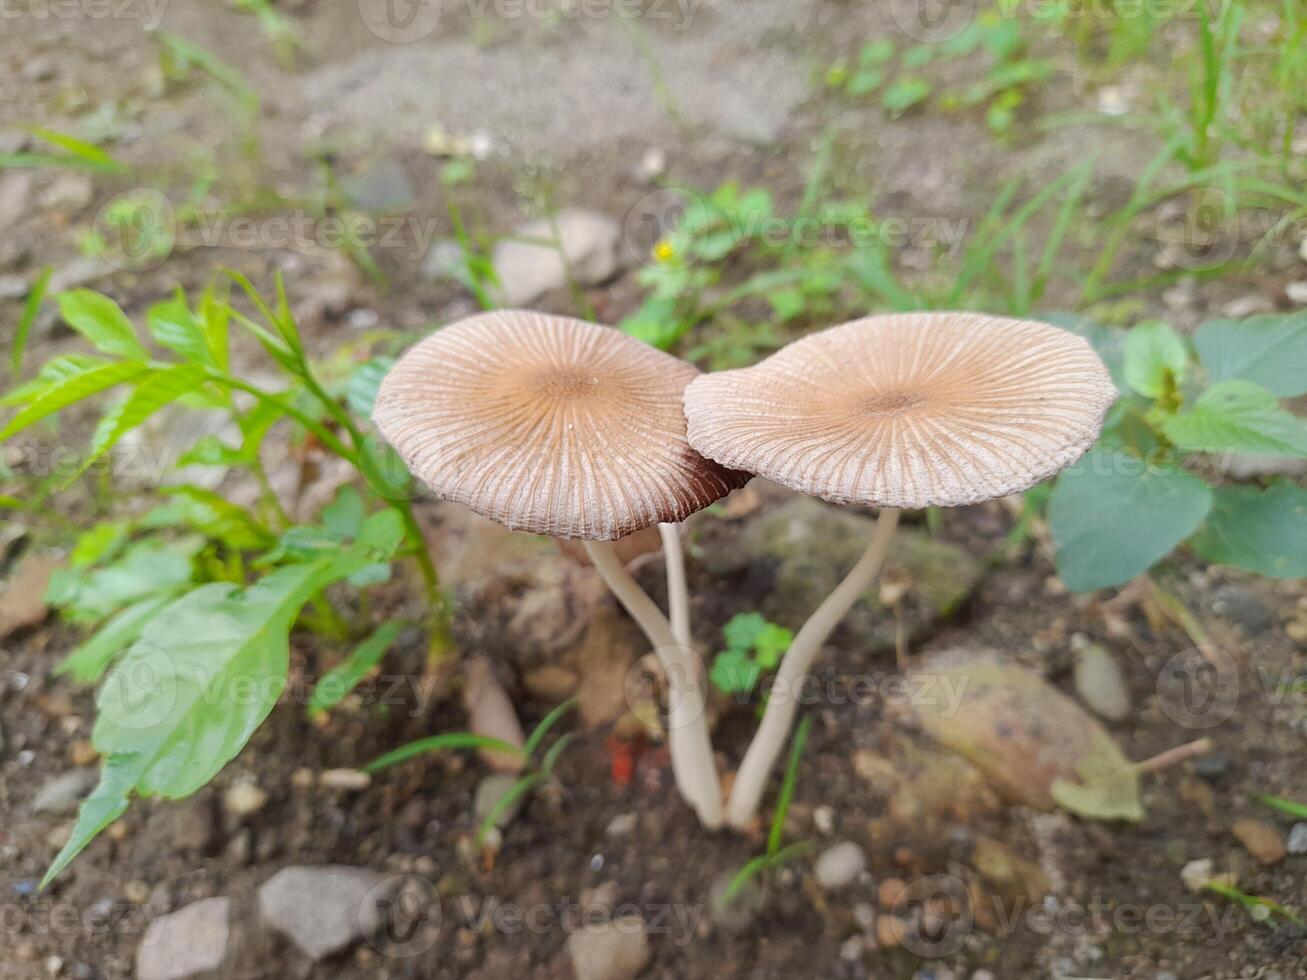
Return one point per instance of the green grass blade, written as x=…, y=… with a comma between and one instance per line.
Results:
x=35, y=297
x=440, y=743
x=541, y=730
x=518, y=790
x=787, y=786
x=1288, y=807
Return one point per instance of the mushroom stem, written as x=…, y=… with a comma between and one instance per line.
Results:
x=767, y=744
x=678, y=595
x=687, y=723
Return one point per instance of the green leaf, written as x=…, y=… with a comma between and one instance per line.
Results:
x=734, y=672
x=69, y=390
x=101, y=321
x=1238, y=417
x=1290, y=808
x=337, y=683
x=158, y=389
x=742, y=629
x=344, y=515
x=361, y=391
x=1155, y=359
x=440, y=743
x=145, y=569
x=770, y=645
x=99, y=543
x=1264, y=531
x=1112, y=516
x=210, y=451
x=657, y=322
x=174, y=326
x=904, y=93
x=203, y=676
x=89, y=660
x=35, y=296
x=1268, y=350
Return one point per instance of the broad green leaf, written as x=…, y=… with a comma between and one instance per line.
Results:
x=1269, y=350
x=1238, y=417
x=1264, y=531
x=156, y=390
x=101, y=321
x=35, y=296
x=174, y=326
x=1112, y=516
x=52, y=372
x=215, y=324
x=145, y=569
x=734, y=672
x=211, y=451
x=361, y=391
x=338, y=682
x=344, y=515
x=657, y=322
x=72, y=389
x=99, y=543
x=212, y=515
x=203, y=676
x=742, y=629
x=1155, y=359
x=88, y=661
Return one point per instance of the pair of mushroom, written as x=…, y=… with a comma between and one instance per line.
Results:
x=561, y=427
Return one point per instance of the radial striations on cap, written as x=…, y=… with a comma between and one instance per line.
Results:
x=908, y=410
x=549, y=424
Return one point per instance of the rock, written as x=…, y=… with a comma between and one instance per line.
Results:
x=382, y=186
x=62, y=793
x=652, y=165
x=615, y=950
x=13, y=287
x=1297, y=292
x=1243, y=608
x=800, y=551
x=243, y=799
x=1246, y=466
x=82, y=753
x=23, y=602
x=69, y=193
x=839, y=866
x=1245, y=306
x=852, y=948
x=823, y=818
x=189, y=941
x=1211, y=767
x=190, y=825
x=737, y=915
x=489, y=792
x=344, y=780
x=1196, y=874
x=322, y=909
x=1261, y=840
x=39, y=70
x=1298, y=839
x=444, y=260
x=527, y=269
x=551, y=683
x=622, y=825
x=1099, y=681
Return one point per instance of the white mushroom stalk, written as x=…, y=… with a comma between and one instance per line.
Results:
x=903, y=411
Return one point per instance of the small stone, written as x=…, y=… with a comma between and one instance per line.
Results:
x=243, y=799
x=26, y=951
x=1261, y=840
x=622, y=825
x=12, y=287
x=865, y=916
x=890, y=931
x=1211, y=767
x=322, y=909
x=616, y=950
x=302, y=778
x=344, y=780
x=890, y=893
x=136, y=892
x=39, y=70
x=851, y=950
x=1245, y=306
x=59, y=836
x=737, y=915
x=823, y=818
x=1099, y=680
x=527, y=268
x=82, y=753
x=63, y=793
x=189, y=941
x=1298, y=839
x=839, y=866
x=489, y=792
x=1297, y=292
x=1243, y=608
x=54, y=965
x=653, y=164
x=445, y=259
x=1196, y=874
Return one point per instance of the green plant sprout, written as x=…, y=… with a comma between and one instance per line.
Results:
x=1154, y=479
x=1259, y=909
x=532, y=777
x=753, y=646
x=197, y=592
x=1290, y=808
x=776, y=855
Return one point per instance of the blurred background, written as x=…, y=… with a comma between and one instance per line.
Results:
x=716, y=178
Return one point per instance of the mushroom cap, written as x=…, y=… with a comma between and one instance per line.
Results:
x=549, y=424
x=908, y=410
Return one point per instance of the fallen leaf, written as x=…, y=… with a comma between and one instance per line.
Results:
x=1037, y=746
x=23, y=603
x=490, y=712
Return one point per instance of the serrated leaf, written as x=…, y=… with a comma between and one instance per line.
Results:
x=145, y=569
x=69, y=390
x=1238, y=417
x=1155, y=359
x=210, y=451
x=203, y=676
x=101, y=321
x=1264, y=531
x=89, y=660
x=1112, y=516
x=174, y=326
x=1269, y=350
x=158, y=389
x=100, y=542
x=337, y=683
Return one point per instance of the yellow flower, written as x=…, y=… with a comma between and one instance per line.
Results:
x=663, y=251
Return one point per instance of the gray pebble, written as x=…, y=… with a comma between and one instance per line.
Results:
x=62, y=793
x=1298, y=839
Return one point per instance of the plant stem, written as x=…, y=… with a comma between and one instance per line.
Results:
x=438, y=605
x=767, y=744
x=678, y=595
x=687, y=724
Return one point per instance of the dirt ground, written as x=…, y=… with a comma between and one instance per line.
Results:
x=570, y=109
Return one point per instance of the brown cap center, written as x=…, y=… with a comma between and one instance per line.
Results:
x=890, y=403
x=566, y=382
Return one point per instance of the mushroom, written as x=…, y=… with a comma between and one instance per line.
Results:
x=561, y=427
x=895, y=412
